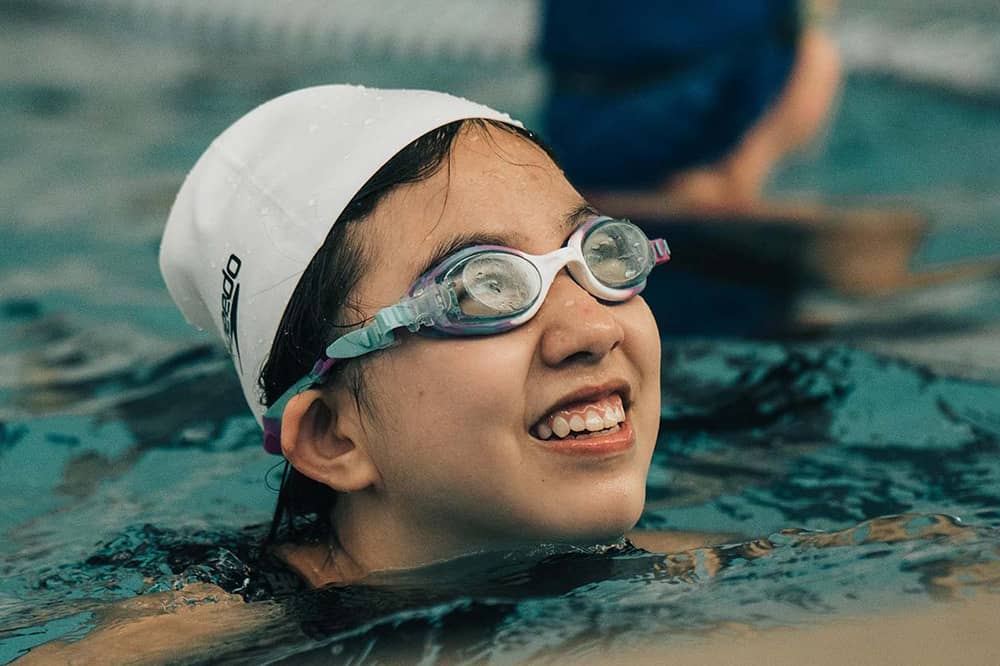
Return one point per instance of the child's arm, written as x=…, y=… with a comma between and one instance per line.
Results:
x=162, y=627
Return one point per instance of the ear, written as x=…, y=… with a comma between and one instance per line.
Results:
x=319, y=439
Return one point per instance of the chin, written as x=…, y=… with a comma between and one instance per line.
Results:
x=613, y=529
x=602, y=521
x=597, y=535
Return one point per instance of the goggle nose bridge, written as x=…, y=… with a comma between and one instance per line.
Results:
x=569, y=257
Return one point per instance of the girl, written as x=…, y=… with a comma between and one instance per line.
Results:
x=441, y=337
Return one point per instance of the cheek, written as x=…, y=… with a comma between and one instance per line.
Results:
x=642, y=336
x=642, y=342
x=437, y=399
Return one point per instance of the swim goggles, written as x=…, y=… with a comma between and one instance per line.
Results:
x=489, y=289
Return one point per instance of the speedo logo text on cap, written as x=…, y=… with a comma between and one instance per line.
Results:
x=230, y=306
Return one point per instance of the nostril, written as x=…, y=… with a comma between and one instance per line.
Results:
x=578, y=357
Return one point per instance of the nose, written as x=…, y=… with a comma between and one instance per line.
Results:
x=576, y=327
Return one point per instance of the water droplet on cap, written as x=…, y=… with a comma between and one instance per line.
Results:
x=265, y=210
x=369, y=121
x=313, y=127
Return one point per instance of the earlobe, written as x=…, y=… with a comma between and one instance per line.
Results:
x=315, y=439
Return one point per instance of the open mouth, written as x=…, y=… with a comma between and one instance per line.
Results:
x=583, y=420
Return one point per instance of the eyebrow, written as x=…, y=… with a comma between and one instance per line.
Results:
x=569, y=222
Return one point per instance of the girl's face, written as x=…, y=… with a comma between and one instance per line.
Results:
x=454, y=426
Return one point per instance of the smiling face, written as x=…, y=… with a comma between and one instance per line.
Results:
x=463, y=434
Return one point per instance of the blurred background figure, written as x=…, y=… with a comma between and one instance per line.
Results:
x=697, y=100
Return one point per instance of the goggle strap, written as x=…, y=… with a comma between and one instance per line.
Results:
x=660, y=250
x=412, y=313
x=374, y=336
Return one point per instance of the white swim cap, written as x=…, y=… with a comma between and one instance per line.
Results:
x=260, y=202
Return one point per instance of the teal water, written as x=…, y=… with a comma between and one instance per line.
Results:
x=130, y=465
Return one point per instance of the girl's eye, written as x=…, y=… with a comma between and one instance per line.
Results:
x=617, y=254
x=496, y=286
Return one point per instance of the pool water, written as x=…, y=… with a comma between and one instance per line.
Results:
x=844, y=482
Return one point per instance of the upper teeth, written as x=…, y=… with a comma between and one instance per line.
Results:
x=596, y=417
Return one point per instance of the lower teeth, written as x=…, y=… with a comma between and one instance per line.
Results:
x=587, y=434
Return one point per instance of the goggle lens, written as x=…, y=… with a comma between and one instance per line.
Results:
x=495, y=284
x=618, y=254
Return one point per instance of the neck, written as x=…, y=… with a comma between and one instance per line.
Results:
x=369, y=537
x=373, y=537
x=319, y=564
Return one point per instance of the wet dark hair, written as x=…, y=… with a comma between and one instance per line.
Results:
x=320, y=310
